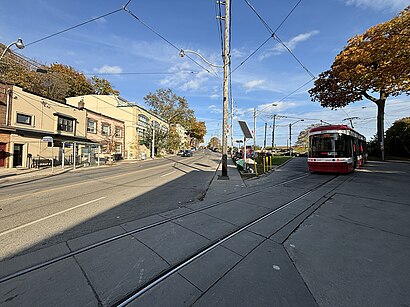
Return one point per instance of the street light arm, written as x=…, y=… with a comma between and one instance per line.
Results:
x=19, y=44
x=182, y=54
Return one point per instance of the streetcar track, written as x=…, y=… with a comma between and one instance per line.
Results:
x=172, y=270
x=117, y=237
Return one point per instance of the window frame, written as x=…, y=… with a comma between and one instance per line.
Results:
x=23, y=123
x=89, y=120
x=102, y=129
x=118, y=129
x=63, y=126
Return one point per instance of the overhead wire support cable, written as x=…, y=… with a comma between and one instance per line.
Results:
x=287, y=16
x=294, y=56
x=273, y=33
x=250, y=55
x=76, y=26
x=166, y=40
x=275, y=36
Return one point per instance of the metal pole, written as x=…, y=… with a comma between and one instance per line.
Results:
x=254, y=129
x=264, y=141
x=225, y=92
x=231, y=123
x=63, y=156
x=153, y=142
x=99, y=154
x=273, y=131
x=290, y=140
x=52, y=156
x=74, y=154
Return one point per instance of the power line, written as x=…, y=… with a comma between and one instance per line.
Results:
x=249, y=56
x=76, y=26
x=166, y=40
x=287, y=16
x=275, y=36
x=139, y=73
x=294, y=56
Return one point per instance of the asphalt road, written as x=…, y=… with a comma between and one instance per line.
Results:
x=40, y=212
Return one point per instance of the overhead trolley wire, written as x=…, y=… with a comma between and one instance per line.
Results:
x=273, y=33
x=275, y=36
x=76, y=26
x=166, y=40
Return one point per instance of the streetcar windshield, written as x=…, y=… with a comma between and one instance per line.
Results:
x=330, y=145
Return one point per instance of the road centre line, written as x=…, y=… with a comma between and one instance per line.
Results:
x=50, y=216
x=168, y=173
x=80, y=183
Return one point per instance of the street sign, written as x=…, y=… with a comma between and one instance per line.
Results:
x=47, y=139
x=245, y=129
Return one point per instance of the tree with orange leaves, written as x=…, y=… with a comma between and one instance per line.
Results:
x=374, y=65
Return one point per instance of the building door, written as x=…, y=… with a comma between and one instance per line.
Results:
x=2, y=154
x=18, y=155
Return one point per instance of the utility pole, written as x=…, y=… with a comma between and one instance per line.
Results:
x=254, y=129
x=264, y=141
x=273, y=131
x=231, y=130
x=226, y=58
x=290, y=140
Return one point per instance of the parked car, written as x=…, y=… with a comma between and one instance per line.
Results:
x=179, y=153
x=187, y=153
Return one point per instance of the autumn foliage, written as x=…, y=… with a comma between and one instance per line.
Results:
x=374, y=65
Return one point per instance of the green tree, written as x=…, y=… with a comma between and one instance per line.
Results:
x=214, y=142
x=173, y=141
x=160, y=139
x=398, y=138
x=172, y=108
x=102, y=86
x=374, y=65
x=78, y=84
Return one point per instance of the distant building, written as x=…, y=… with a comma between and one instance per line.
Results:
x=106, y=131
x=137, y=120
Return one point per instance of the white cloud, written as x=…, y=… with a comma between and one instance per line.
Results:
x=100, y=20
x=106, y=69
x=235, y=53
x=250, y=85
x=291, y=44
x=184, y=80
x=214, y=109
x=380, y=5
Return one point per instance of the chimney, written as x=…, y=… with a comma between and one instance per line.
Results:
x=81, y=104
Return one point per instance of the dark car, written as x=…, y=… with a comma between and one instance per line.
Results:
x=187, y=153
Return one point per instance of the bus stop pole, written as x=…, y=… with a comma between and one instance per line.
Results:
x=99, y=154
x=52, y=156
x=74, y=154
x=63, y=156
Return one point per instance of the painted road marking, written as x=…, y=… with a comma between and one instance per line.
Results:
x=50, y=216
x=168, y=173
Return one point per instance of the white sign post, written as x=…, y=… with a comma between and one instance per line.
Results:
x=49, y=139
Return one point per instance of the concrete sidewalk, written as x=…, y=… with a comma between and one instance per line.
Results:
x=346, y=243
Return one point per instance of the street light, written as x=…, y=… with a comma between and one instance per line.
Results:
x=183, y=51
x=290, y=136
x=19, y=44
x=323, y=122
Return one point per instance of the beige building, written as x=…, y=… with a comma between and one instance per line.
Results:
x=31, y=118
x=108, y=132
x=138, y=121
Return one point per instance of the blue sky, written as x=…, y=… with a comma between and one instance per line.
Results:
x=316, y=31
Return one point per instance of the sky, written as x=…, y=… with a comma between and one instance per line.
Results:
x=140, y=54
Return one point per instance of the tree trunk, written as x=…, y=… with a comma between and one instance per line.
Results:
x=380, y=125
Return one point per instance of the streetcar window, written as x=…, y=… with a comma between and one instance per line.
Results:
x=330, y=146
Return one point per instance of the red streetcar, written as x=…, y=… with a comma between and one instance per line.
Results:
x=335, y=149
